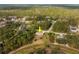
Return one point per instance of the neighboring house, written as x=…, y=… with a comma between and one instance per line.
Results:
x=23, y=19
x=10, y=18
x=74, y=29
x=4, y=19
x=47, y=17
x=19, y=19
x=2, y=24
x=1, y=19
x=13, y=19
x=32, y=17
x=60, y=36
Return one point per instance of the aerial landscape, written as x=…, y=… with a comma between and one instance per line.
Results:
x=39, y=29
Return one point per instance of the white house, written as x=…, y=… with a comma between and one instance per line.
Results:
x=60, y=36
x=74, y=29
x=47, y=17
x=2, y=24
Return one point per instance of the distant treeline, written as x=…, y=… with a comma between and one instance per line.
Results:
x=25, y=6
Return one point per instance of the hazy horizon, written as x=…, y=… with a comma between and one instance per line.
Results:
x=28, y=5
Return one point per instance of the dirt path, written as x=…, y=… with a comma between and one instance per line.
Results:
x=53, y=22
x=63, y=47
x=39, y=42
x=66, y=47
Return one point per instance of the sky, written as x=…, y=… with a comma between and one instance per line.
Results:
x=39, y=1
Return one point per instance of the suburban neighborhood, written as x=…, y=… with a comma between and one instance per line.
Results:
x=39, y=30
